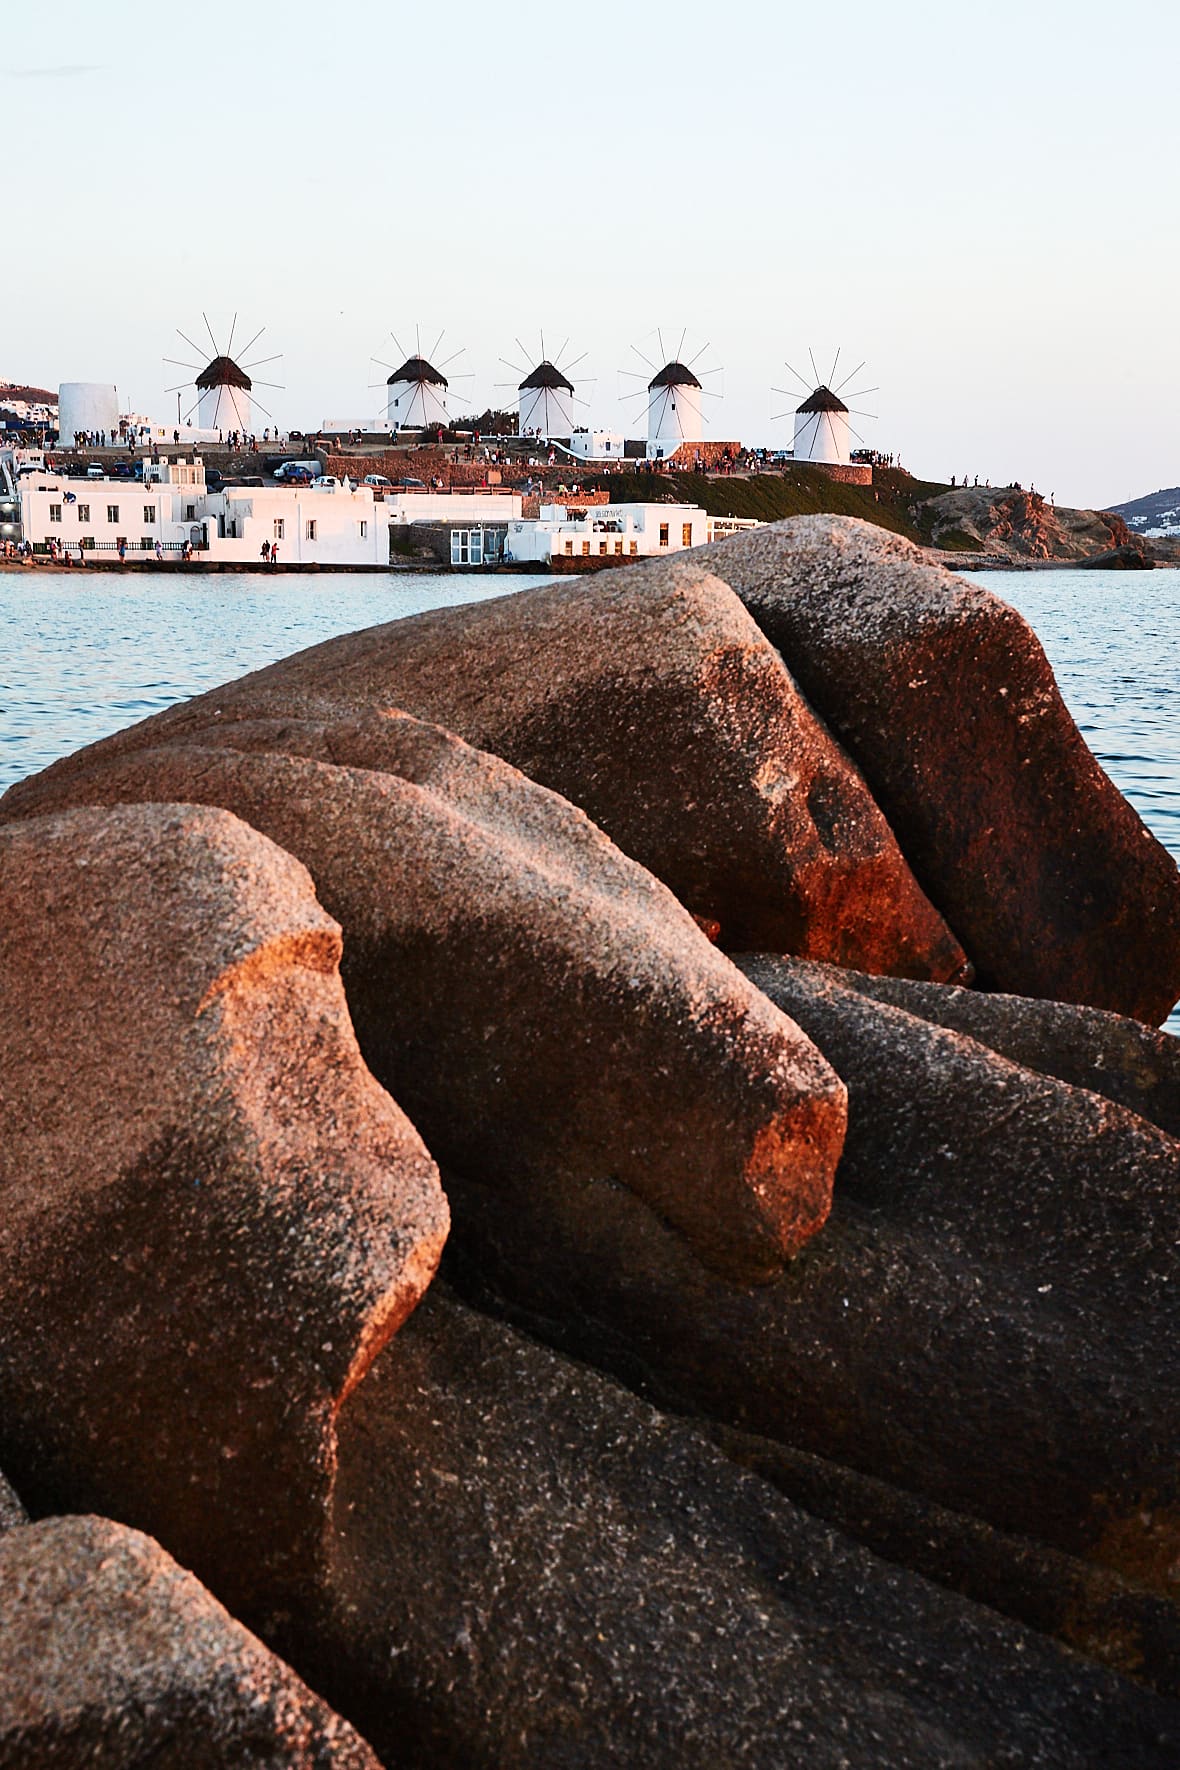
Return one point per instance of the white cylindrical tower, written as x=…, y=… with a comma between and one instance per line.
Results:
x=417, y=396
x=546, y=403
x=91, y=406
x=225, y=397
x=673, y=409
x=821, y=429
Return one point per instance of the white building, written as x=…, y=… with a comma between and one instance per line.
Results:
x=546, y=403
x=224, y=403
x=626, y=531
x=172, y=509
x=86, y=408
x=417, y=396
x=597, y=445
x=454, y=506
x=822, y=430
x=673, y=410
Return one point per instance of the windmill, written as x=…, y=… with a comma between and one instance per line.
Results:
x=546, y=393
x=823, y=420
x=417, y=391
x=672, y=395
x=225, y=391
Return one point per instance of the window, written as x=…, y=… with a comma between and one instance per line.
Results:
x=145, y=543
x=635, y=547
x=86, y=541
x=112, y=513
x=686, y=534
x=585, y=549
x=309, y=529
x=83, y=513
x=149, y=515
x=364, y=529
x=663, y=534
x=569, y=548
x=280, y=529
x=466, y=546
x=190, y=513
x=55, y=513
x=618, y=546
x=602, y=546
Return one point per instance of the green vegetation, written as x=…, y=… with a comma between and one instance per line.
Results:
x=894, y=500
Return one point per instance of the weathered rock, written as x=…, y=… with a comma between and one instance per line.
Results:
x=1121, y=1058
x=112, y=1655
x=944, y=697
x=211, y=1216
x=987, y=1320
x=1131, y=557
x=650, y=699
x=1109, y=1619
x=12, y=1513
x=533, y=1569
x=535, y=1001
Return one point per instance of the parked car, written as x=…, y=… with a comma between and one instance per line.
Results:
x=379, y=480
x=415, y=485
x=94, y=471
x=296, y=470
x=325, y=482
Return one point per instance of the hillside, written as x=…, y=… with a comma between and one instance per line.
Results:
x=1156, y=514
x=1001, y=521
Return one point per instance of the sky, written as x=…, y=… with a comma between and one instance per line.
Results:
x=979, y=203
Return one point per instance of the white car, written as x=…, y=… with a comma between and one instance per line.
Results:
x=379, y=480
x=324, y=482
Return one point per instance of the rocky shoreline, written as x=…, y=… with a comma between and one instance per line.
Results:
x=591, y=1178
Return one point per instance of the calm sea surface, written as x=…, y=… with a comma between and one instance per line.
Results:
x=83, y=656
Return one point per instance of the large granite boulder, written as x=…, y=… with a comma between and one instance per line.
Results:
x=944, y=697
x=988, y=1319
x=537, y=1002
x=211, y=1215
x=531, y=1568
x=650, y=699
x=1107, y=1617
x=1110, y=1054
x=111, y=1655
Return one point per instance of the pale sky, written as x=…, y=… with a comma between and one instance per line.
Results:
x=978, y=201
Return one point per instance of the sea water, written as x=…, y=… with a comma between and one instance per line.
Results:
x=82, y=655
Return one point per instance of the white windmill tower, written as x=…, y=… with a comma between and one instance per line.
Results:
x=225, y=392
x=674, y=396
x=417, y=392
x=546, y=395
x=823, y=422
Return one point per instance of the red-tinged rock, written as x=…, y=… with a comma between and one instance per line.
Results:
x=650, y=699
x=536, y=1001
x=211, y=1215
x=943, y=695
x=111, y=1655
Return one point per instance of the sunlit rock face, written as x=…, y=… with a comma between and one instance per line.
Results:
x=944, y=697
x=212, y=1215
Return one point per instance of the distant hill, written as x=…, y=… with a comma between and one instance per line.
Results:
x=1156, y=514
x=1003, y=522
x=30, y=396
